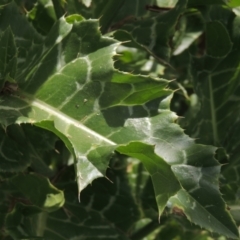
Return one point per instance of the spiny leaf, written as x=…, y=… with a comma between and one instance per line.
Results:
x=217, y=87
x=27, y=35
x=150, y=32
x=77, y=59
x=216, y=82
x=197, y=174
x=164, y=181
x=68, y=85
x=206, y=216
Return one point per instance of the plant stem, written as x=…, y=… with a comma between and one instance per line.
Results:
x=41, y=223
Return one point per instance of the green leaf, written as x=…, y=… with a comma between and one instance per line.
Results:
x=81, y=223
x=164, y=181
x=43, y=16
x=185, y=155
x=20, y=150
x=77, y=58
x=233, y=3
x=189, y=30
x=68, y=85
x=151, y=33
x=93, y=218
x=14, y=157
x=8, y=57
x=46, y=197
x=217, y=89
x=27, y=37
x=113, y=198
x=216, y=82
x=21, y=215
x=178, y=230
x=217, y=40
x=208, y=215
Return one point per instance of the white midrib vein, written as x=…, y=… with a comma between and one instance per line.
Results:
x=68, y=120
x=213, y=113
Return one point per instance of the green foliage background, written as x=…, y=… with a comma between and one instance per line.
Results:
x=119, y=119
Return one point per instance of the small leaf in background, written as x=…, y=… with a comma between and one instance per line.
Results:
x=233, y=3
x=164, y=181
x=43, y=16
x=152, y=33
x=18, y=222
x=217, y=88
x=203, y=218
x=217, y=40
x=87, y=3
x=39, y=191
x=201, y=196
x=95, y=216
x=8, y=58
x=14, y=157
